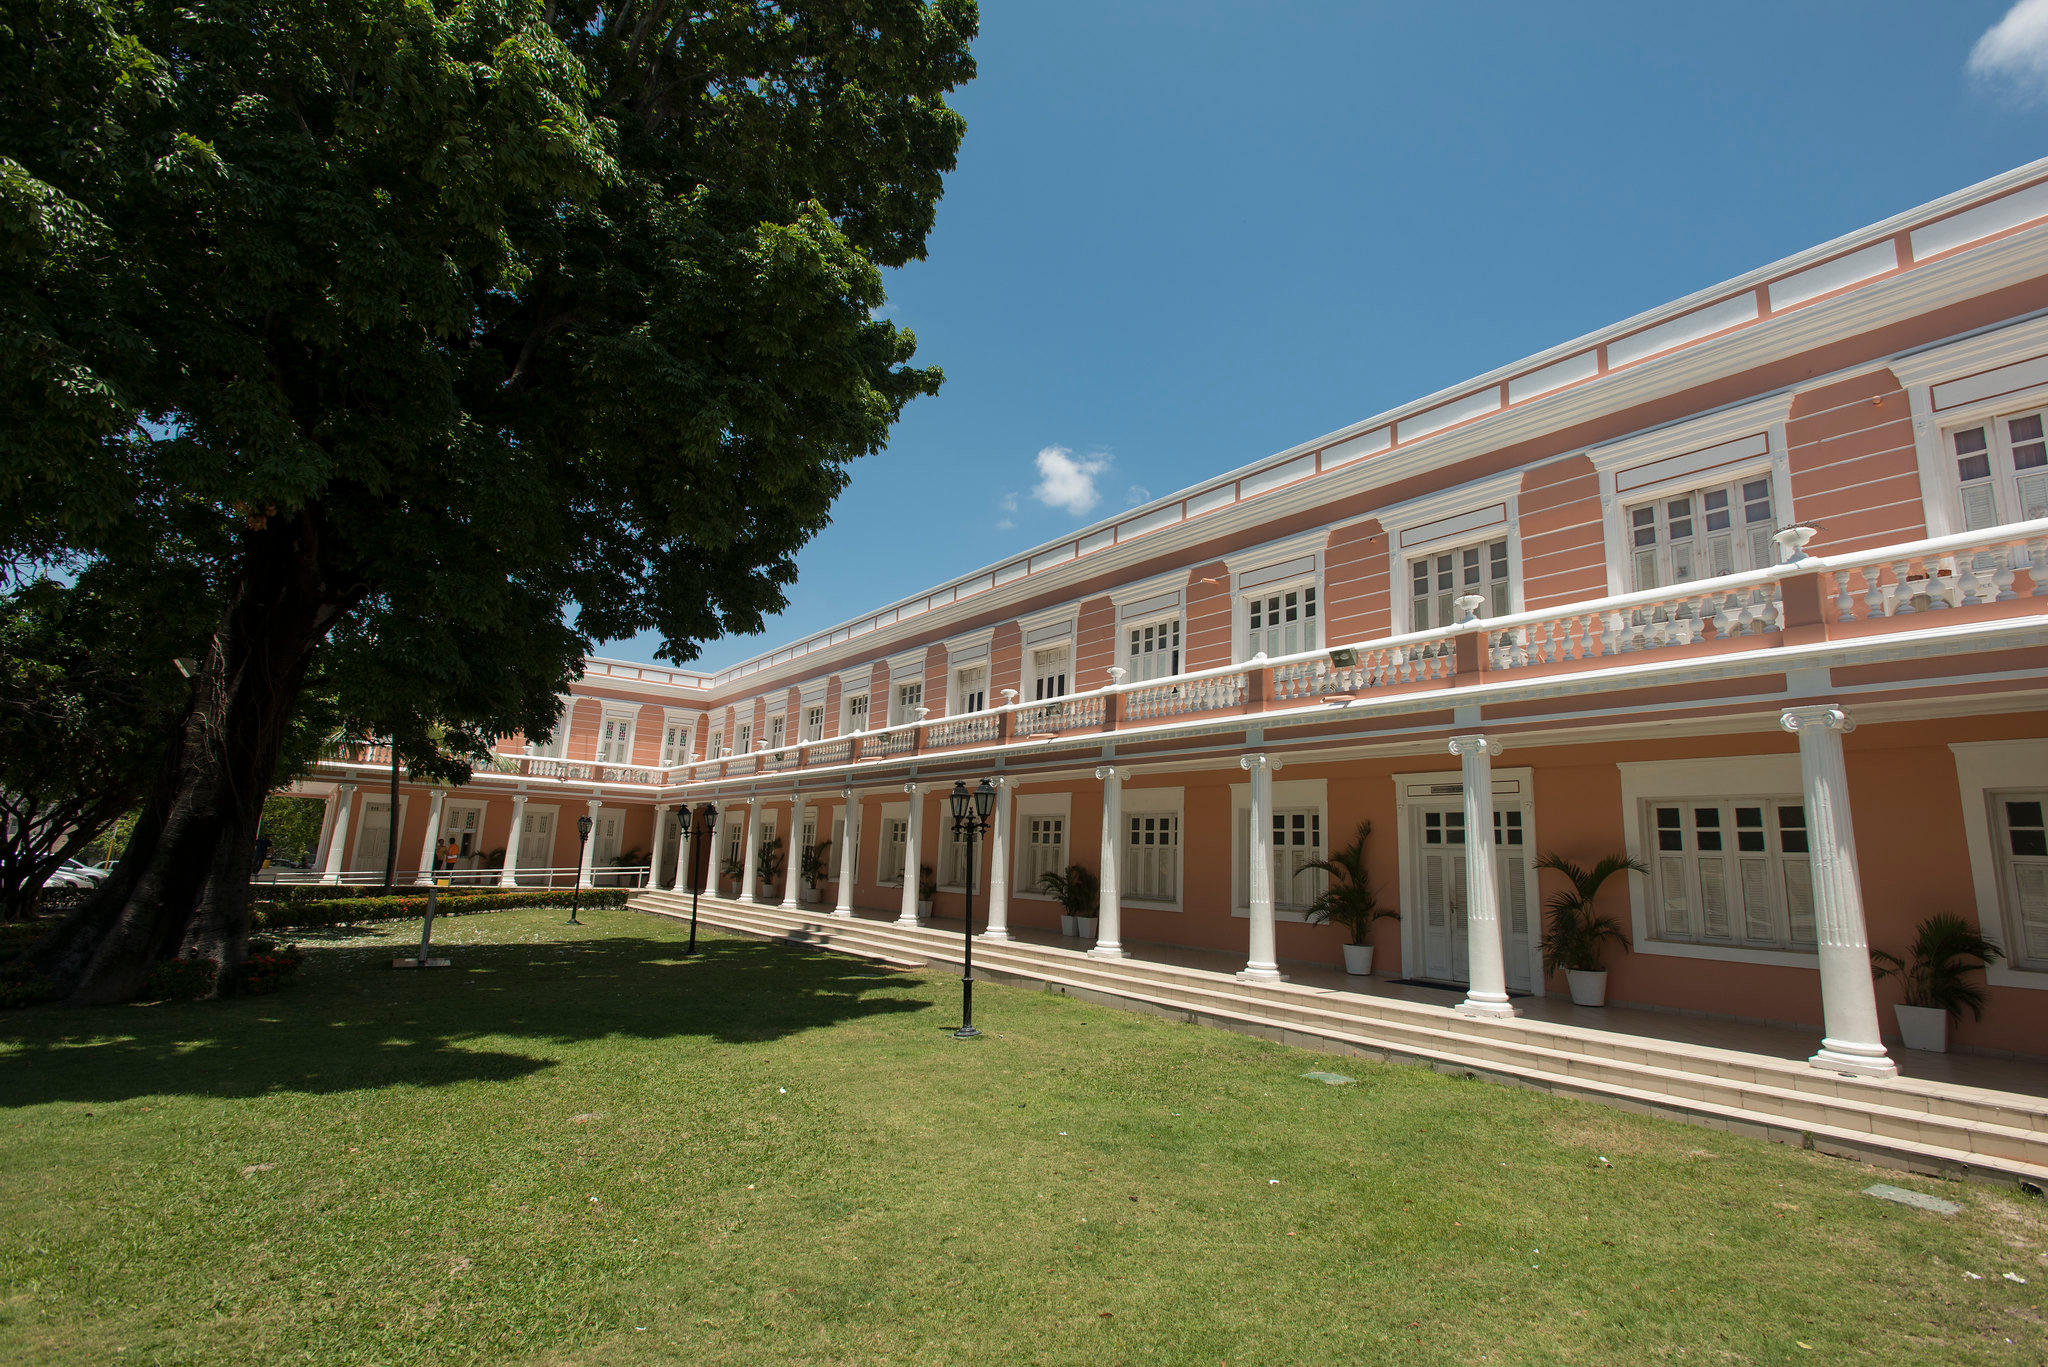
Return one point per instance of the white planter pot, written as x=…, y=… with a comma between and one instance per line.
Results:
x=1087, y=925
x=808, y=895
x=924, y=909
x=1588, y=988
x=1068, y=927
x=1925, y=1027
x=1358, y=960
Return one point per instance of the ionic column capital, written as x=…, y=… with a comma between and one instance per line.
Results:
x=344, y=789
x=1255, y=762
x=594, y=803
x=915, y=788
x=1111, y=771
x=1827, y=717
x=1476, y=744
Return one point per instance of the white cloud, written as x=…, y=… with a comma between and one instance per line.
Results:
x=1066, y=481
x=1005, y=525
x=2013, y=53
x=1009, y=503
x=1135, y=495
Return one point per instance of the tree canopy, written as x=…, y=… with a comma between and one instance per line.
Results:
x=450, y=338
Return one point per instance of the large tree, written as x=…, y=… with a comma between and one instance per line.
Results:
x=457, y=335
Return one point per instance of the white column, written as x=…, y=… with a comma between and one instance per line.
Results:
x=1487, y=992
x=1262, y=964
x=999, y=866
x=1109, y=926
x=508, y=876
x=750, y=881
x=433, y=840
x=328, y=806
x=660, y=838
x=792, y=848
x=337, y=844
x=714, y=881
x=849, y=842
x=1852, y=1043
x=912, y=839
x=586, y=848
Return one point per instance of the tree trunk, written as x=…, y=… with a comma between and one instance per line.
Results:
x=182, y=884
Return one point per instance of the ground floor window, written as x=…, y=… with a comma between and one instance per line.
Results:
x=1151, y=871
x=895, y=844
x=2023, y=866
x=1732, y=871
x=952, y=856
x=1297, y=835
x=1044, y=850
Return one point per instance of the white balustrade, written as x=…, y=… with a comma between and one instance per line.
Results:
x=974, y=728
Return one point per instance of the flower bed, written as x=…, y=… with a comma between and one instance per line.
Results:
x=356, y=910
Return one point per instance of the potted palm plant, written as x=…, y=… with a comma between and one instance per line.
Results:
x=1349, y=901
x=817, y=868
x=1937, y=991
x=1574, y=934
x=1075, y=890
x=927, y=888
x=769, y=864
x=734, y=869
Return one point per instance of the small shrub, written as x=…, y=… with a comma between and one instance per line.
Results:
x=270, y=967
x=350, y=911
x=181, y=980
x=21, y=985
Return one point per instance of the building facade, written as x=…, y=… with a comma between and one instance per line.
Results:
x=1752, y=588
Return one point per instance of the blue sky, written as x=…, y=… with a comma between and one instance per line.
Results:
x=1186, y=235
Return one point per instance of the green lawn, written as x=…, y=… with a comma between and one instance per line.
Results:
x=579, y=1147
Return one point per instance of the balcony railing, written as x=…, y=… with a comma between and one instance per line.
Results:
x=1851, y=596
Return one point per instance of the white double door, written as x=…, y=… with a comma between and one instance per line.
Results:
x=1438, y=837
x=537, y=838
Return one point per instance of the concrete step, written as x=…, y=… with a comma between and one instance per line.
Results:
x=1904, y=1122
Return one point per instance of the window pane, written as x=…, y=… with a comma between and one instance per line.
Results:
x=1792, y=830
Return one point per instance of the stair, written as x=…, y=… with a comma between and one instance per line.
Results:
x=1918, y=1125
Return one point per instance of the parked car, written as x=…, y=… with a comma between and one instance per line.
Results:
x=64, y=878
x=89, y=871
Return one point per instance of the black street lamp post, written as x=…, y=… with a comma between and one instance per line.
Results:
x=582, y=838
x=687, y=820
x=970, y=822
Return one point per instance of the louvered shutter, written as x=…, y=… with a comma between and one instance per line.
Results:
x=1799, y=901
x=2030, y=904
x=1714, y=899
x=1677, y=906
x=1514, y=892
x=2033, y=495
x=1758, y=921
x=1979, y=509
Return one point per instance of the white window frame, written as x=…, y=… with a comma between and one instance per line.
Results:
x=2003, y=480
x=556, y=746
x=1044, y=682
x=1770, y=833
x=1049, y=630
x=1289, y=795
x=1479, y=513
x=743, y=739
x=970, y=688
x=778, y=731
x=716, y=749
x=905, y=698
x=1026, y=806
x=1292, y=564
x=814, y=723
x=1743, y=777
x=1482, y=551
x=952, y=850
x=372, y=796
x=1744, y=552
x=1985, y=769
x=450, y=812
x=894, y=818
x=1942, y=392
x=855, y=710
x=965, y=654
x=1138, y=804
x=617, y=748
x=677, y=731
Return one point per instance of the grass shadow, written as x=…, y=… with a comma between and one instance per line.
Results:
x=354, y=1023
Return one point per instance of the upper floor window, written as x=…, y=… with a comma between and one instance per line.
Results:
x=1702, y=534
x=1437, y=580
x=745, y=744
x=857, y=713
x=775, y=733
x=717, y=750
x=1049, y=673
x=615, y=741
x=1282, y=622
x=909, y=697
x=555, y=746
x=2002, y=471
x=675, y=743
x=814, y=723
x=970, y=689
x=1733, y=872
x=1154, y=649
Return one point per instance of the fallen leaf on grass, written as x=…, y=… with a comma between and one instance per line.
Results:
x=258, y=1167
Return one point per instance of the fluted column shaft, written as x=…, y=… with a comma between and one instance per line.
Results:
x=999, y=867
x=508, y=873
x=1109, y=925
x=913, y=839
x=1853, y=1042
x=1486, y=993
x=750, y=879
x=793, y=849
x=337, y=843
x=849, y=838
x=433, y=838
x=586, y=850
x=1262, y=961
x=658, y=844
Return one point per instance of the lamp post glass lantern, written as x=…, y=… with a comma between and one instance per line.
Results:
x=576, y=894
x=970, y=822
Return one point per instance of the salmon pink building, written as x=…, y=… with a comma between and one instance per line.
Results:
x=1752, y=588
